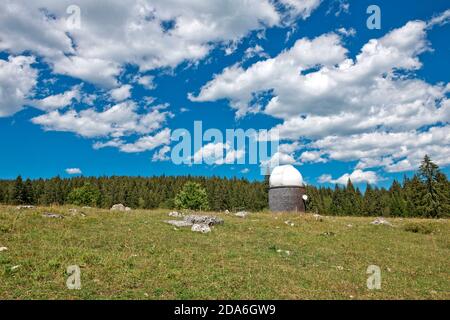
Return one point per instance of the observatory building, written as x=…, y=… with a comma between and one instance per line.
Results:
x=287, y=190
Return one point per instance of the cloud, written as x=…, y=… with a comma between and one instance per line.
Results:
x=116, y=121
x=279, y=74
x=121, y=93
x=351, y=32
x=301, y=8
x=149, y=34
x=73, y=171
x=393, y=151
x=322, y=95
x=144, y=143
x=278, y=158
x=17, y=80
x=147, y=82
x=255, y=51
x=57, y=101
x=217, y=153
x=440, y=19
x=357, y=176
x=312, y=157
x=161, y=154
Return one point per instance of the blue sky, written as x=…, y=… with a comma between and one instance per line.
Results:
x=101, y=88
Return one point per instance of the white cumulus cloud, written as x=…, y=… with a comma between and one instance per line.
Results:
x=17, y=80
x=357, y=176
x=73, y=171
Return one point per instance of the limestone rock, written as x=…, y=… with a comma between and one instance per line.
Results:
x=179, y=223
x=380, y=221
x=120, y=207
x=241, y=214
x=24, y=207
x=318, y=217
x=203, y=228
x=289, y=223
x=176, y=214
x=52, y=215
x=208, y=220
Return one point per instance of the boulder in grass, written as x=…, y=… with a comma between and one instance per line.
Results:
x=179, y=223
x=3, y=249
x=120, y=207
x=176, y=214
x=207, y=220
x=24, y=207
x=318, y=217
x=241, y=214
x=203, y=228
x=381, y=221
x=52, y=215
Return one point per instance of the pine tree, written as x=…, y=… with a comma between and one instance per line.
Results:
x=433, y=199
x=352, y=200
x=18, y=196
x=28, y=194
x=397, y=203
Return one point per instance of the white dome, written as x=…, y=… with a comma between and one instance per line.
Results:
x=285, y=175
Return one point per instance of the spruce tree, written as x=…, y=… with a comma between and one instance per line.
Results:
x=433, y=198
x=397, y=203
x=18, y=195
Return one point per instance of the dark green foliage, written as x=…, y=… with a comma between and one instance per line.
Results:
x=416, y=227
x=86, y=195
x=435, y=192
x=138, y=192
x=426, y=194
x=19, y=190
x=193, y=196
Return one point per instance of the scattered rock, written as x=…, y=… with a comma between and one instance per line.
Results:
x=73, y=210
x=208, y=220
x=24, y=207
x=203, y=228
x=52, y=215
x=340, y=268
x=3, y=249
x=227, y=212
x=15, y=267
x=176, y=214
x=380, y=221
x=287, y=252
x=350, y=225
x=120, y=207
x=241, y=214
x=179, y=223
x=289, y=223
x=318, y=217
x=86, y=207
x=329, y=234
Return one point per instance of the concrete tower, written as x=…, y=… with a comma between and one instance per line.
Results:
x=286, y=190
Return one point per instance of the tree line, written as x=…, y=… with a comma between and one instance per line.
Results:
x=426, y=194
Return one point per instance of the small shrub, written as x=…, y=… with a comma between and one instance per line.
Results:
x=87, y=195
x=192, y=197
x=423, y=228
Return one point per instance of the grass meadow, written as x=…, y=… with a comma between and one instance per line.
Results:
x=135, y=255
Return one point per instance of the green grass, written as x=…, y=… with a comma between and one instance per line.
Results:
x=134, y=255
